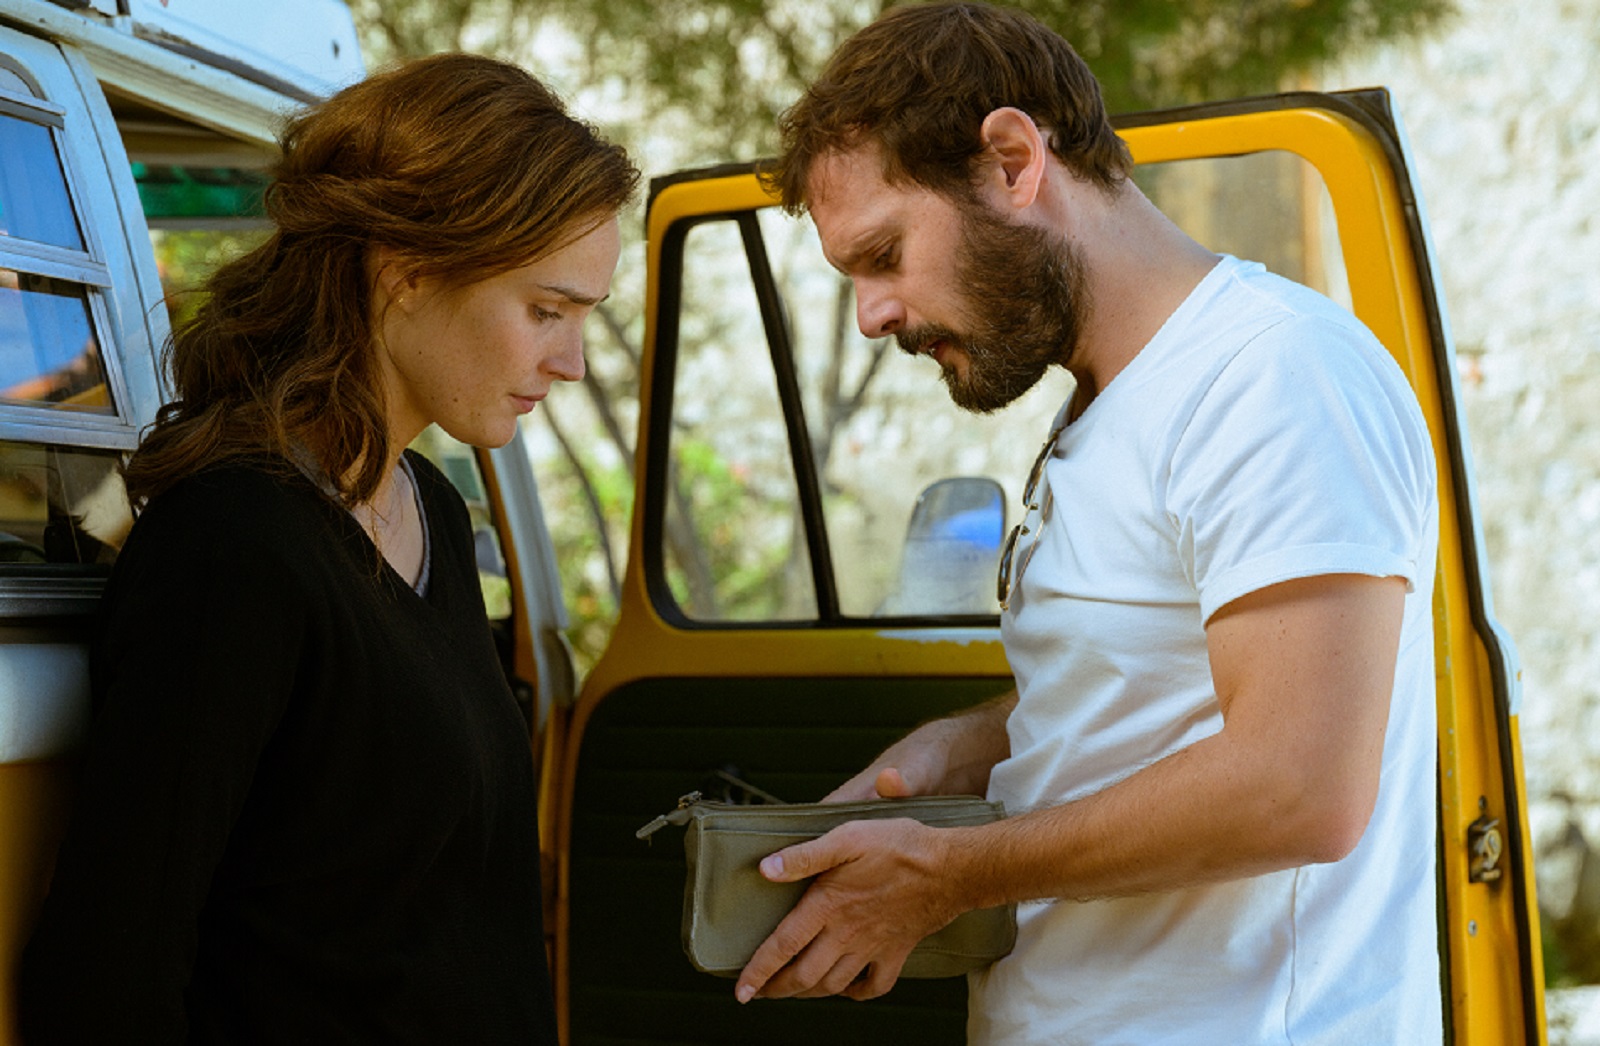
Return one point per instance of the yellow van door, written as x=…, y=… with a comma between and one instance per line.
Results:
x=813, y=552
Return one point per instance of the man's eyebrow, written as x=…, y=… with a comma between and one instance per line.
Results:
x=867, y=243
x=575, y=296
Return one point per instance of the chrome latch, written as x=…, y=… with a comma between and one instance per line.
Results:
x=1484, y=847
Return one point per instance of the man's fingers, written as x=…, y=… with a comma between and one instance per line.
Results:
x=845, y=972
x=875, y=980
x=854, y=790
x=803, y=860
x=786, y=942
x=888, y=783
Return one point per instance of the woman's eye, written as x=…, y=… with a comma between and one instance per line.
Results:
x=542, y=313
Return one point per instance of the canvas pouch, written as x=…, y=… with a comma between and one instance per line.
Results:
x=729, y=908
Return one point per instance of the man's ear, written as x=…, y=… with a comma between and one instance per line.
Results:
x=1015, y=156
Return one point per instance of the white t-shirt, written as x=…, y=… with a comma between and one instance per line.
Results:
x=1262, y=435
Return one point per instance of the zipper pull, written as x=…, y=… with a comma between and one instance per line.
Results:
x=680, y=816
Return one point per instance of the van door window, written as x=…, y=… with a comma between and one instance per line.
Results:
x=889, y=446
x=733, y=543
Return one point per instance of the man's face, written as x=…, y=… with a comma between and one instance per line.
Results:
x=994, y=302
x=1024, y=304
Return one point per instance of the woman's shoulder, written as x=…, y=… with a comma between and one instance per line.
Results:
x=245, y=501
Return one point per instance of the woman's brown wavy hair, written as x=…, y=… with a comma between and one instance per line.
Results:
x=919, y=81
x=462, y=167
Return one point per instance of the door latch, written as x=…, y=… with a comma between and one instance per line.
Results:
x=1484, y=847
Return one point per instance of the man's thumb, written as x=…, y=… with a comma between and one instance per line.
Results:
x=891, y=784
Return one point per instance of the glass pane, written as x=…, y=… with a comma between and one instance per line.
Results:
x=735, y=547
x=34, y=204
x=49, y=356
x=169, y=193
x=186, y=258
x=887, y=438
x=1270, y=207
x=59, y=505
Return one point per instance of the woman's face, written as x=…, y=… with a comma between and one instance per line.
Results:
x=475, y=358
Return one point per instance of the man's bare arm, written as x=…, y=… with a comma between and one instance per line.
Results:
x=1304, y=672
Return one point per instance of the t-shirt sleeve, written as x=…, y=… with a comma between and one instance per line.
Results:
x=1307, y=456
x=200, y=641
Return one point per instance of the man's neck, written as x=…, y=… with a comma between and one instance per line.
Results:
x=1141, y=267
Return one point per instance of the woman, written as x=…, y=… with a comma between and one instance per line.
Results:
x=307, y=812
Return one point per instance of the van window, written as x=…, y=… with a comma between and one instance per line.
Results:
x=59, y=505
x=49, y=356
x=53, y=352
x=34, y=204
x=63, y=510
x=733, y=544
x=884, y=436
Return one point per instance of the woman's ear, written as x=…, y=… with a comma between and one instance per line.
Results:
x=1015, y=157
x=392, y=282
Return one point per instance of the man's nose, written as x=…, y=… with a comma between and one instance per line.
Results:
x=879, y=312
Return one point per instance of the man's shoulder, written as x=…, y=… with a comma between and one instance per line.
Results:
x=1249, y=294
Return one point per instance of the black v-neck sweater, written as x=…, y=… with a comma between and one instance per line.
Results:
x=307, y=813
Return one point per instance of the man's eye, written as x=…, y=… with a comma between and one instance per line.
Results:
x=883, y=260
x=542, y=313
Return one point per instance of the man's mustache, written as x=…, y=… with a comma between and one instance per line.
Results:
x=916, y=341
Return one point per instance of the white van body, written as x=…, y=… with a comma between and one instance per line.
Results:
x=90, y=92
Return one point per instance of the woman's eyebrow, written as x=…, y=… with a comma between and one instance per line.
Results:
x=575, y=296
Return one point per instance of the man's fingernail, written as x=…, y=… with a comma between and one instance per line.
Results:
x=745, y=993
x=772, y=866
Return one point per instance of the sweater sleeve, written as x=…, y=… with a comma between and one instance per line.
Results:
x=200, y=638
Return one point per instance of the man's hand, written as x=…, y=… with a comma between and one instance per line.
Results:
x=881, y=780
x=944, y=757
x=881, y=886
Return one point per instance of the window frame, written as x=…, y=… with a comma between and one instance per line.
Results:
x=90, y=268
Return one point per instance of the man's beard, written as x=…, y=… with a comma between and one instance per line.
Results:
x=1025, y=302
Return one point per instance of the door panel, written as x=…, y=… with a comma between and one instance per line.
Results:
x=796, y=738
x=807, y=659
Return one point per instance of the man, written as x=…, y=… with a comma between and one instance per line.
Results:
x=1220, y=755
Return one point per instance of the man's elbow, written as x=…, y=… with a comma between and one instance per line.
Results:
x=1331, y=823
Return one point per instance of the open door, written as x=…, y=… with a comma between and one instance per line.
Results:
x=780, y=624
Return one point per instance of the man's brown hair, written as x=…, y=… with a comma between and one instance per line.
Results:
x=919, y=81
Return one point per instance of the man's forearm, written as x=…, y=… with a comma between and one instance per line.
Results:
x=1207, y=813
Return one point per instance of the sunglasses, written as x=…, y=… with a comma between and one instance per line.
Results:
x=1010, y=578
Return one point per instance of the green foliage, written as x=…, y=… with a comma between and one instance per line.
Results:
x=580, y=555
x=714, y=74
x=690, y=82
x=185, y=258
x=747, y=538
